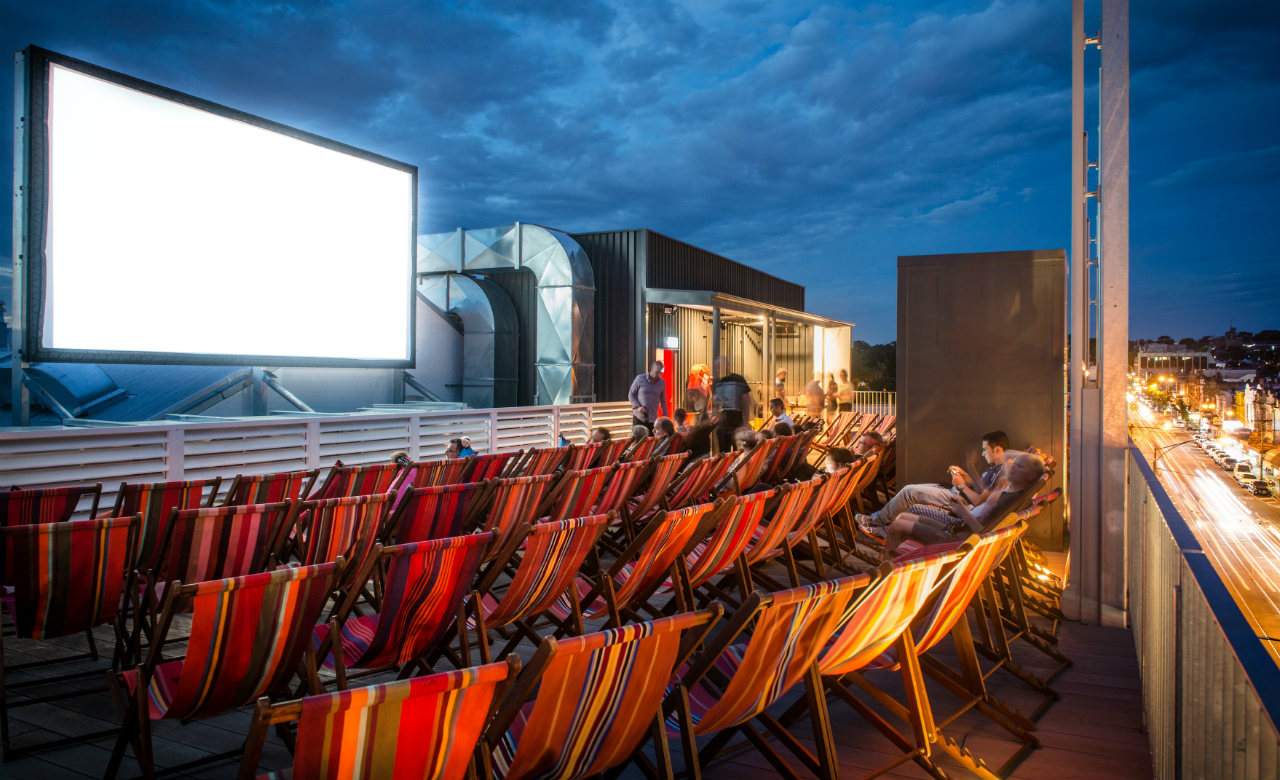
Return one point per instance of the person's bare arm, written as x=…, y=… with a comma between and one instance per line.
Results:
x=961, y=511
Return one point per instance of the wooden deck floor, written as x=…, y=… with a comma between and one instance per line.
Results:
x=1093, y=731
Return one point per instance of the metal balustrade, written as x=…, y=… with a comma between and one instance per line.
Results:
x=150, y=452
x=881, y=402
x=1210, y=690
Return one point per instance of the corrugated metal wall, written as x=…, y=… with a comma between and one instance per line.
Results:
x=676, y=265
x=793, y=350
x=627, y=261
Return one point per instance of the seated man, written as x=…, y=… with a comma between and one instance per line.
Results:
x=778, y=409
x=932, y=525
x=994, y=451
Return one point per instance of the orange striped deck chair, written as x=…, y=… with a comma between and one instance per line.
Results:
x=422, y=728
x=516, y=501
x=370, y=479
x=581, y=456
x=33, y=506
x=434, y=512
x=642, y=568
x=425, y=585
x=642, y=450
x=430, y=473
x=68, y=578
x=734, y=521
x=748, y=468
x=154, y=503
x=783, y=448
x=341, y=527
x=536, y=462
x=792, y=507
x=598, y=699
x=735, y=680
x=489, y=466
x=817, y=518
x=547, y=558
x=945, y=616
x=270, y=488
x=665, y=471
x=622, y=486
x=577, y=493
x=611, y=452
x=872, y=623
x=248, y=639
x=697, y=481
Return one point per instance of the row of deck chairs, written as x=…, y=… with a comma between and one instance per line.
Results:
x=410, y=576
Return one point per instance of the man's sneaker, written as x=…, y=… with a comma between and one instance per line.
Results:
x=868, y=526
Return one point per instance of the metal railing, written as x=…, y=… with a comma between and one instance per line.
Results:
x=150, y=452
x=1210, y=690
x=882, y=402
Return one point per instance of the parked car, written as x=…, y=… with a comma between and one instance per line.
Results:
x=1259, y=487
x=1228, y=463
x=1244, y=476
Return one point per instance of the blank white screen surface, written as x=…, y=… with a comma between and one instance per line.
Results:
x=171, y=229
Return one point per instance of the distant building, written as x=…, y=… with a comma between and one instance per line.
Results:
x=1174, y=360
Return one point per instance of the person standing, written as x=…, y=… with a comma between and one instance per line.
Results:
x=732, y=396
x=844, y=393
x=648, y=396
x=813, y=397
x=832, y=391
x=780, y=384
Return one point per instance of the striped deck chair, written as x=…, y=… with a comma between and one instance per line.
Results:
x=641, y=450
x=639, y=570
x=621, y=488
x=154, y=503
x=799, y=454
x=598, y=698
x=430, y=473
x=783, y=448
x=577, y=493
x=697, y=481
x=536, y=462
x=550, y=555
x=370, y=479
x=249, y=636
x=943, y=617
x=814, y=522
x=515, y=503
x=33, y=506
x=424, y=728
x=582, y=456
x=490, y=466
x=748, y=468
x=340, y=527
x=771, y=537
x=665, y=469
x=611, y=452
x=434, y=512
x=425, y=585
x=735, y=521
x=68, y=577
x=270, y=488
x=734, y=681
x=872, y=624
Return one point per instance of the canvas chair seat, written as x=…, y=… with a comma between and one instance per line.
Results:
x=356, y=635
x=163, y=689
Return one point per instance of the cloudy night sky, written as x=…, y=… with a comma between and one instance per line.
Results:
x=817, y=142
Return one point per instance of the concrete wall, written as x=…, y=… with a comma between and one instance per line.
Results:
x=981, y=340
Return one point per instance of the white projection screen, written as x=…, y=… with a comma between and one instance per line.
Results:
x=174, y=230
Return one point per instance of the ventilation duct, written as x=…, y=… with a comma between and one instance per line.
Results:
x=490, y=334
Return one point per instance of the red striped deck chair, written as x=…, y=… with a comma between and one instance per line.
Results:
x=799, y=454
x=435, y=512
x=642, y=450
x=425, y=585
x=422, y=728
x=550, y=557
x=621, y=488
x=341, y=527
x=154, y=503
x=735, y=521
x=33, y=506
x=537, y=462
x=734, y=681
x=747, y=468
x=665, y=470
x=611, y=452
x=429, y=473
x=370, y=479
x=673, y=444
x=793, y=503
x=248, y=639
x=695, y=484
x=270, y=488
x=943, y=617
x=68, y=577
x=490, y=466
x=599, y=697
x=582, y=456
x=577, y=493
x=516, y=501
x=783, y=448
x=642, y=568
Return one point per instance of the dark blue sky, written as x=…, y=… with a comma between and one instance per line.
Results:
x=817, y=142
